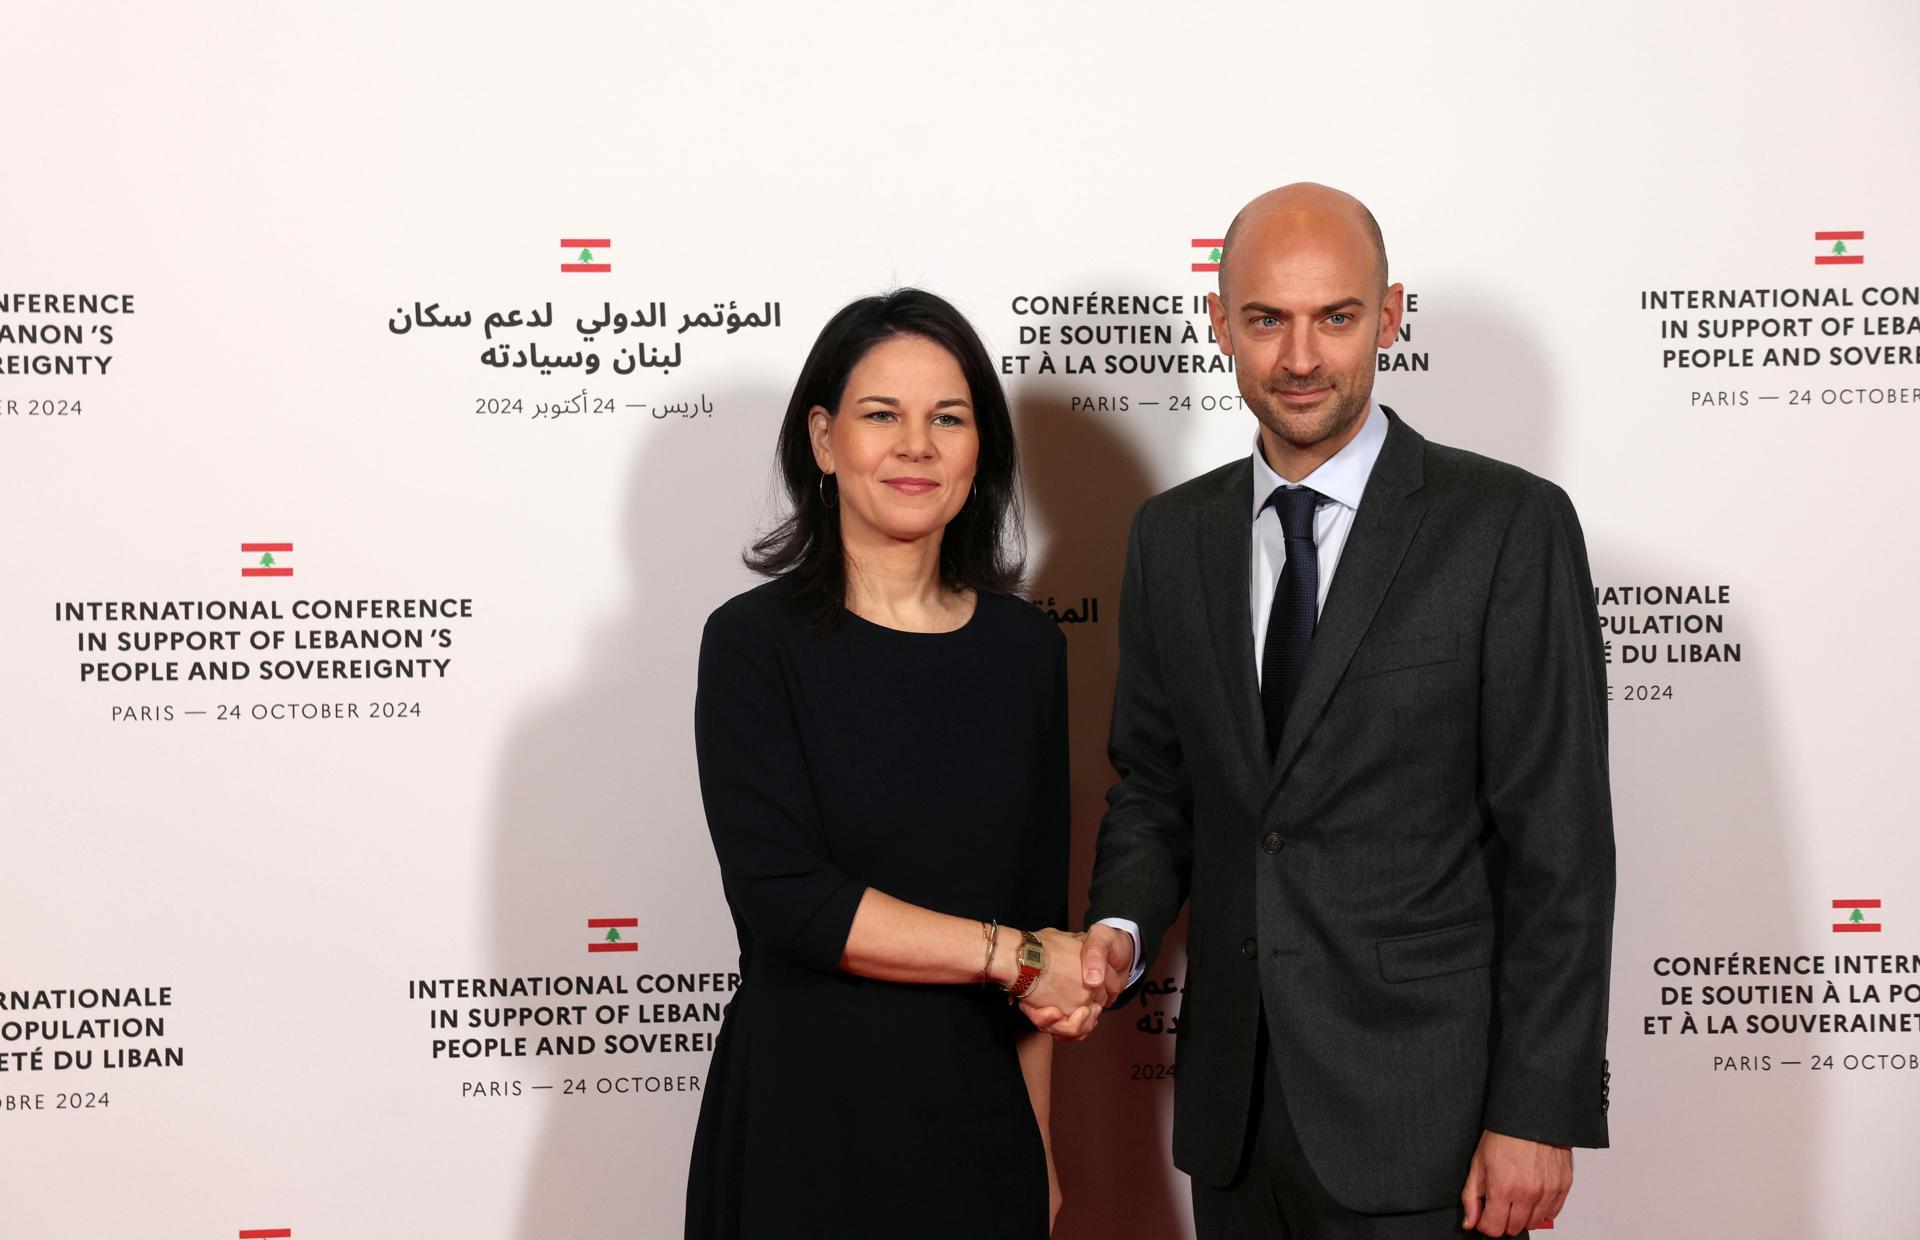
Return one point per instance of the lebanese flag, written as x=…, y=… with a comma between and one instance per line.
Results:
x=1211, y=261
x=1838, y=251
x=612, y=940
x=1857, y=923
x=585, y=254
x=266, y=561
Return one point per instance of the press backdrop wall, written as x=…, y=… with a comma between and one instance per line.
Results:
x=288, y=289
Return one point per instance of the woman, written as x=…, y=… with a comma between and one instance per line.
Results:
x=881, y=732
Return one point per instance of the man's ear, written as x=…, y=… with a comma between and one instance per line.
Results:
x=1217, y=311
x=1393, y=308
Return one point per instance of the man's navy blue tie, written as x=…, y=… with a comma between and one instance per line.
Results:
x=1295, y=605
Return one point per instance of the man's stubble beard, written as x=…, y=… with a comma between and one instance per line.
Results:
x=1343, y=408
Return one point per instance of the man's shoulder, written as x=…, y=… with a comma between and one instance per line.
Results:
x=1487, y=482
x=1493, y=499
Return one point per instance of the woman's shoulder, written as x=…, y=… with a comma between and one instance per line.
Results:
x=1020, y=620
x=762, y=611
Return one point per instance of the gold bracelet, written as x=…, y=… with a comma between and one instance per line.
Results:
x=993, y=939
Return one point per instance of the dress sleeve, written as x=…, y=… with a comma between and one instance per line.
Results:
x=779, y=873
x=1040, y=889
x=1040, y=886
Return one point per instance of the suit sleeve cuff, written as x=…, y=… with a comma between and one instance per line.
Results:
x=1551, y=1109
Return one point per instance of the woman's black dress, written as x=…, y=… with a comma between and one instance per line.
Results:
x=933, y=767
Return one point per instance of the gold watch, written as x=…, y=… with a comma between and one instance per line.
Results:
x=1031, y=959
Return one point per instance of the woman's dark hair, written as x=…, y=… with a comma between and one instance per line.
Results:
x=982, y=546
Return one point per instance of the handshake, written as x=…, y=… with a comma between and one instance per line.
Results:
x=1084, y=973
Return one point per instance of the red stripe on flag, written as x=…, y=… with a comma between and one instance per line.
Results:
x=600, y=244
x=1206, y=266
x=1856, y=927
x=601, y=923
x=266, y=546
x=634, y=947
x=1831, y=260
x=1855, y=235
x=586, y=266
x=1856, y=904
x=266, y=1233
x=1209, y=243
x=266, y=572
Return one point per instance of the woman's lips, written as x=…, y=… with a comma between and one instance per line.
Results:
x=912, y=486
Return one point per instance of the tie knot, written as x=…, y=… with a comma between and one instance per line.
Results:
x=1295, y=506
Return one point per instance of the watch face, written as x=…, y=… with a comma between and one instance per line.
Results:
x=1032, y=956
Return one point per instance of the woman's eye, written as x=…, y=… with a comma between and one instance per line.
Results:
x=880, y=414
x=947, y=419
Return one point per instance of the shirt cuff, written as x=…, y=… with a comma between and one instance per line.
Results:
x=1133, y=932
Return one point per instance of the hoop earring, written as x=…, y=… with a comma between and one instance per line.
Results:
x=821, y=487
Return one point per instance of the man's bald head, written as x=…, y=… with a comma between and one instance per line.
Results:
x=1310, y=204
x=1304, y=310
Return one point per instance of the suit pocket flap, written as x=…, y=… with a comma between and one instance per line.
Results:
x=1433, y=952
x=1414, y=652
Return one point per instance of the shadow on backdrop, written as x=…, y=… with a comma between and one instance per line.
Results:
x=1087, y=473
x=597, y=814
x=1699, y=826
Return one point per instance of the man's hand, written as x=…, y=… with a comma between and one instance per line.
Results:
x=1515, y=1184
x=1105, y=960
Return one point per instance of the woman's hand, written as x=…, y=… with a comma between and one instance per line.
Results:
x=1053, y=1194
x=1059, y=1002
x=1036, y=1069
x=1059, y=984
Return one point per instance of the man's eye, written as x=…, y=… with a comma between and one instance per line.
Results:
x=1338, y=320
x=1267, y=320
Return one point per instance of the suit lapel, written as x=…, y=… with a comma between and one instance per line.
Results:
x=1390, y=512
x=1223, y=547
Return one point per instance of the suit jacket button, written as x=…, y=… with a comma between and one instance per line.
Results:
x=1249, y=949
x=1272, y=843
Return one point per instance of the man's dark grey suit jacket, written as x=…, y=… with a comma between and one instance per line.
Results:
x=1419, y=887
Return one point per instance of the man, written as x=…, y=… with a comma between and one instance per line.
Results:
x=1361, y=716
